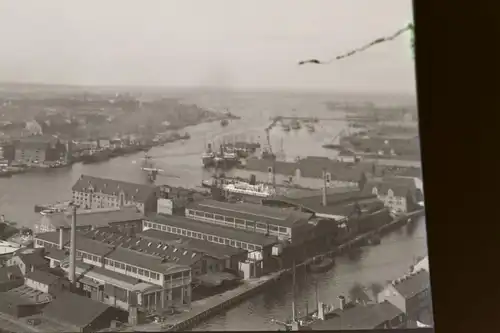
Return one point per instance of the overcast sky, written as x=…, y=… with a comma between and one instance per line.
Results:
x=223, y=43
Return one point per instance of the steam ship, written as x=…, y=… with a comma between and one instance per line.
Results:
x=244, y=188
x=96, y=156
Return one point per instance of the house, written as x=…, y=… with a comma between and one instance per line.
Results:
x=283, y=223
x=411, y=294
x=124, y=218
x=81, y=314
x=28, y=260
x=18, y=305
x=38, y=149
x=400, y=194
x=46, y=282
x=361, y=317
x=93, y=192
x=347, y=156
x=310, y=172
x=10, y=277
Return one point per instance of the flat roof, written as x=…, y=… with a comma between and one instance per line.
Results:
x=213, y=229
x=217, y=251
x=259, y=213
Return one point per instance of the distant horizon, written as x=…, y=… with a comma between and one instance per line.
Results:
x=222, y=89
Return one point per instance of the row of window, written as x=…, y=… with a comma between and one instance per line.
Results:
x=132, y=269
x=201, y=236
x=235, y=222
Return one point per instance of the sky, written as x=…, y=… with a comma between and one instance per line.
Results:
x=231, y=44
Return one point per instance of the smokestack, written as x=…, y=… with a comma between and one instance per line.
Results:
x=341, y=303
x=321, y=311
x=72, y=258
x=324, y=189
x=61, y=238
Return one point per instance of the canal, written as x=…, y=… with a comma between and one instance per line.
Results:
x=377, y=264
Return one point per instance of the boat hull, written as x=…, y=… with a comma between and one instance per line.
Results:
x=324, y=266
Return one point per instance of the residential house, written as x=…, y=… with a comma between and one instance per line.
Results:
x=28, y=260
x=310, y=172
x=411, y=294
x=38, y=149
x=81, y=314
x=46, y=282
x=10, y=277
x=400, y=194
x=350, y=316
x=127, y=218
x=93, y=192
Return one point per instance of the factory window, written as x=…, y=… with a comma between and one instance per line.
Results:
x=201, y=214
x=244, y=245
x=238, y=244
x=155, y=276
x=140, y=271
x=128, y=268
x=189, y=234
x=251, y=247
x=146, y=274
x=122, y=266
x=229, y=219
x=250, y=224
x=226, y=241
x=134, y=270
x=216, y=239
x=239, y=221
x=258, y=247
x=106, y=262
x=163, y=227
x=209, y=215
x=269, y=169
x=184, y=232
x=147, y=224
x=273, y=228
x=189, y=212
x=232, y=243
x=169, y=229
x=210, y=238
x=221, y=240
x=328, y=177
x=283, y=230
x=261, y=225
x=205, y=237
x=174, y=230
x=219, y=217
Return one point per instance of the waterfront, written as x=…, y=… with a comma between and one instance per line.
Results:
x=386, y=261
x=377, y=264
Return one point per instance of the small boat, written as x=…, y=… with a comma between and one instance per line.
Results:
x=224, y=122
x=295, y=124
x=321, y=266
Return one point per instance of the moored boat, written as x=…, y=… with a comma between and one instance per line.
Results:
x=321, y=266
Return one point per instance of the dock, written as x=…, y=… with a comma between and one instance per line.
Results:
x=205, y=308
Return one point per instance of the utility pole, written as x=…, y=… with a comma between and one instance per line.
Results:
x=72, y=257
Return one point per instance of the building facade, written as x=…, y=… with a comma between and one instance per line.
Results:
x=39, y=149
x=94, y=193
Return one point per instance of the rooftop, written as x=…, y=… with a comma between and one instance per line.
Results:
x=169, y=252
x=217, y=251
x=412, y=284
x=359, y=317
x=98, y=218
x=400, y=186
x=10, y=272
x=270, y=215
x=134, y=192
x=76, y=310
x=42, y=277
x=213, y=229
x=83, y=244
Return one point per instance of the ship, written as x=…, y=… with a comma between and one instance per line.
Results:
x=295, y=124
x=267, y=155
x=52, y=208
x=224, y=122
x=321, y=266
x=243, y=188
x=96, y=156
x=335, y=143
x=310, y=128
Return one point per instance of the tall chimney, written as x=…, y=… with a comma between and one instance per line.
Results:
x=341, y=303
x=321, y=311
x=72, y=257
x=61, y=238
x=324, y=189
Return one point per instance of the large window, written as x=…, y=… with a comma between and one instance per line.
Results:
x=273, y=228
x=261, y=226
x=229, y=219
x=209, y=215
x=219, y=217
x=283, y=230
x=250, y=224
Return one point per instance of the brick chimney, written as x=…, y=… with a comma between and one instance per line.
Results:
x=342, y=303
x=324, y=201
x=61, y=238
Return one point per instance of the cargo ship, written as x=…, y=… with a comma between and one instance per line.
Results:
x=244, y=188
x=96, y=156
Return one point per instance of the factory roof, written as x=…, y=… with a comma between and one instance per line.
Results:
x=359, y=317
x=133, y=192
x=75, y=310
x=42, y=277
x=169, y=252
x=270, y=215
x=9, y=272
x=213, y=229
x=400, y=186
x=83, y=244
x=217, y=251
x=97, y=218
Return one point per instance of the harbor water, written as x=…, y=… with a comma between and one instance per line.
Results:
x=377, y=264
